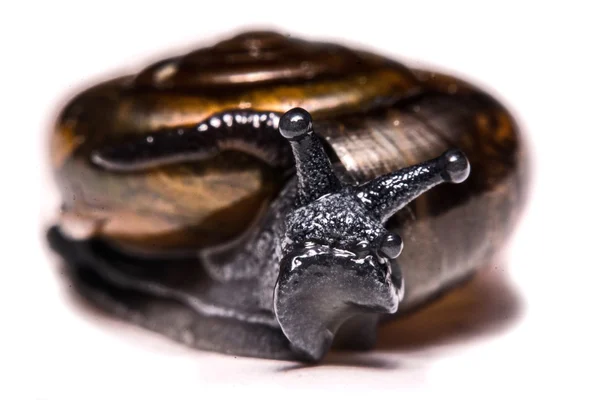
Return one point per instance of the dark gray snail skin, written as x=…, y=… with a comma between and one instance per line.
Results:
x=335, y=252
x=322, y=246
x=186, y=211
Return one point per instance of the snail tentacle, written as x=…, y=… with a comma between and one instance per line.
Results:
x=315, y=173
x=387, y=194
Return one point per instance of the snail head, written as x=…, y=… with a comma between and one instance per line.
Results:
x=336, y=252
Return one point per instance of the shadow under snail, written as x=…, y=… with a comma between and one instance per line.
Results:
x=203, y=201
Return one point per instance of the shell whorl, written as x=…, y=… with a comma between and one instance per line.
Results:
x=267, y=71
x=254, y=58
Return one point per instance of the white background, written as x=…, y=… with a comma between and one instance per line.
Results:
x=542, y=60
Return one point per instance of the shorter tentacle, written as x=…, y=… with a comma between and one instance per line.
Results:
x=248, y=131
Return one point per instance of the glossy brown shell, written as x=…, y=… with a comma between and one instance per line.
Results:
x=376, y=114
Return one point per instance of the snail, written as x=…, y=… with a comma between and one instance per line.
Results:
x=274, y=197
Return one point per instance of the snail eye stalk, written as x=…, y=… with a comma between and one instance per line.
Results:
x=387, y=194
x=313, y=168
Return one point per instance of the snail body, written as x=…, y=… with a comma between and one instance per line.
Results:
x=190, y=204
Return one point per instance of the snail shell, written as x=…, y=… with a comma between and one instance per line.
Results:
x=376, y=115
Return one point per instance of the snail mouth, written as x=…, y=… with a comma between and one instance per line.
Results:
x=320, y=288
